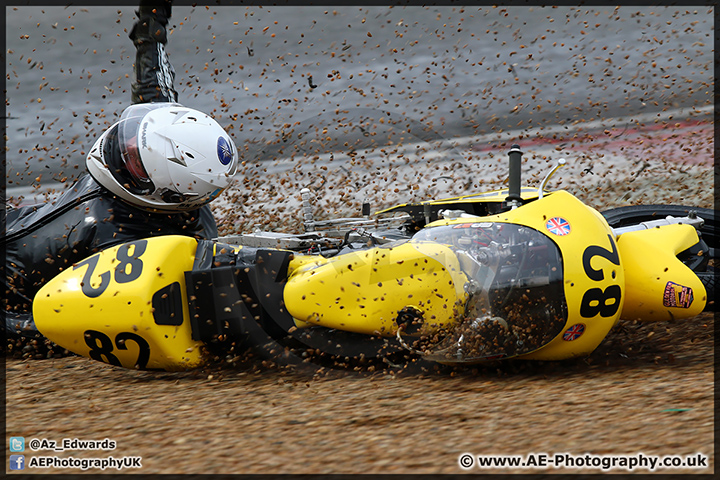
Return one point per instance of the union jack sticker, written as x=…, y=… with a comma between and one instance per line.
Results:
x=558, y=226
x=574, y=332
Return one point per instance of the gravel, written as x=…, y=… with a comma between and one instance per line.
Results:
x=647, y=389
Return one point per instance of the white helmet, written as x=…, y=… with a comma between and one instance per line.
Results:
x=164, y=156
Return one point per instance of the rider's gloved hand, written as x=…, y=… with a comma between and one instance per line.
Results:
x=154, y=76
x=152, y=18
x=159, y=8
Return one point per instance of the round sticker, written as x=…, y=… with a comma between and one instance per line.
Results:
x=224, y=151
x=574, y=332
x=558, y=226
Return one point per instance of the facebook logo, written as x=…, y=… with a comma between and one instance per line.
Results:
x=17, y=462
x=17, y=444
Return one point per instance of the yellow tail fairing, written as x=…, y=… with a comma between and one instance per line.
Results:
x=126, y=306
x=660, y=287
x=364, y=291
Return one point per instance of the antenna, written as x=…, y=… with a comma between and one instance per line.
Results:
x=560, y=163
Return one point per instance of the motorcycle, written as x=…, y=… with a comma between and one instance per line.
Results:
x=514, y=273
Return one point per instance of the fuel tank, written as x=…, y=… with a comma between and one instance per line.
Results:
x=364, y=291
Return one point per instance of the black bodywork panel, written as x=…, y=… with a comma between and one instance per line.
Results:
x=238, y=298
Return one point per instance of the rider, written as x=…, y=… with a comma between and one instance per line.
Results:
x=151, y=173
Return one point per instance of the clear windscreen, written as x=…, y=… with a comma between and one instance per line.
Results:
x=514, y=303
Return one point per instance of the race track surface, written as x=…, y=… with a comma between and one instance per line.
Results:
x=647, y=389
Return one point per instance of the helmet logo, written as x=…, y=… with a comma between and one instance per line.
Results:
x=143, y=135
x=224, y=151
x=214, y=194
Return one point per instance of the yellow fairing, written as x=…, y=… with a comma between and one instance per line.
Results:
x=593, y=277
x=362, y=292
x=660, y=287
x=124, y=306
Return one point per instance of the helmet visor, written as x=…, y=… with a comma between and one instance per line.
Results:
x=118, y=167
x=124, y=157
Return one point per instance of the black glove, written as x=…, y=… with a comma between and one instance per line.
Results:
x=161, y=9
x=152, y=18
x=154, y=76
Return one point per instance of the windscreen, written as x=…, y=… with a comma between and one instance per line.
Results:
x=515, y=301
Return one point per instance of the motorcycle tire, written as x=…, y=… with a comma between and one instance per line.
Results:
x=709, y=280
